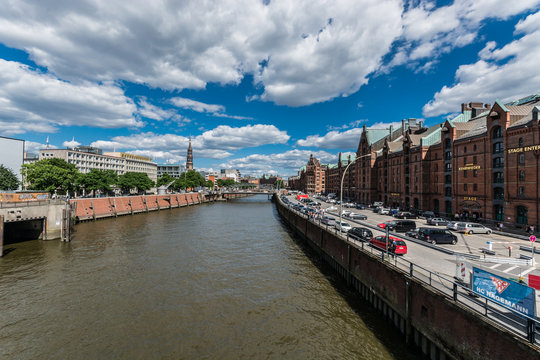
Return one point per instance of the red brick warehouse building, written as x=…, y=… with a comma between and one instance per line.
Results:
x=483, y=164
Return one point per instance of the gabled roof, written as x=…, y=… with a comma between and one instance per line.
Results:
x=525, y=120
x=472, y=128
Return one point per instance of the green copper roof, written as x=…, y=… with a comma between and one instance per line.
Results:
x=432, y=138
x=501, y=105
x=374, y=135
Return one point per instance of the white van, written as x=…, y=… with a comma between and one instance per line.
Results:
x=377, y=203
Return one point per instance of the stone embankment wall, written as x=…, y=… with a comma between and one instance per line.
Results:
x=95, y=208
x=430, y=321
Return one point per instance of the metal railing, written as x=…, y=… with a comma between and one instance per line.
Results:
x=448, y=286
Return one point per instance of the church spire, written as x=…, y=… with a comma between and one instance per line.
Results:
x=189, y=160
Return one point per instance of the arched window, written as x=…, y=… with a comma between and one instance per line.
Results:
x=522, y=175
x=497, y=132
x=522, y=159
x=520, y=142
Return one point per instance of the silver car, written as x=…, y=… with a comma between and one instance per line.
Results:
x=452, y=225
x=473, y=228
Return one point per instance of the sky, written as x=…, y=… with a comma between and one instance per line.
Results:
x=257, y=85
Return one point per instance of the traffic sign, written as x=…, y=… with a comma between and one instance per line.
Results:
x=532, y=238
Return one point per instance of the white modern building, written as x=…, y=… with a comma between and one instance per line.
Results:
x=230, y=174
x=12, y=154
x=119, y=162
x=174, y=170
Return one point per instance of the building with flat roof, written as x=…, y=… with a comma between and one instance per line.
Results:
x=12, y=154
x=120, y=163
x=173, y=170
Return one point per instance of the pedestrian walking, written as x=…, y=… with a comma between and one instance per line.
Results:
x=501, y=226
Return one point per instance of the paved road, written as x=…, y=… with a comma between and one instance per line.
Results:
x=430, y=257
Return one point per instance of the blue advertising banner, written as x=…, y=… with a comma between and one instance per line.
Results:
x=518, y=297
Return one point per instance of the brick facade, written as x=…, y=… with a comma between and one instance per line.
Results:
x=482, y=164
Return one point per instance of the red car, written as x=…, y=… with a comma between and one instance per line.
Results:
x=395, y=245
x=383, y=225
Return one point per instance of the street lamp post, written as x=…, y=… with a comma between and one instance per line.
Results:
x=341, y=188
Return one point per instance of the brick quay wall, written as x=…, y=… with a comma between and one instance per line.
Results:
x=430, y=321
x=96, y=208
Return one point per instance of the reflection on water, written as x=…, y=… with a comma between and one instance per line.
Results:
x=217, y=281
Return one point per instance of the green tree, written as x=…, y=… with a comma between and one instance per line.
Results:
x=225, y=182
x=279, y=184
x=134, y=180
x=209, y=184
x=51, y=175
x=98, y=180
x=188, y=180
x=8, y=179
x=164, y=180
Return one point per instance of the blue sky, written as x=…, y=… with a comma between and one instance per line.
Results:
x=258, y=85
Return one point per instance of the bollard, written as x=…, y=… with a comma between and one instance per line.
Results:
x=509, y=251
x=489, y=245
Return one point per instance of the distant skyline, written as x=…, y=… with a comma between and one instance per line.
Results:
x=258, y=85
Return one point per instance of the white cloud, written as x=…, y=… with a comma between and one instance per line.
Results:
x=71, y=144
x=215, y=110
x=283, y=163
x=429, y=31
x=333, y=140
x=34, y=147
x=153, y=112
x=196, y=105
x=217, y=143
x=33, y=101
x=299, y=52
x=503, y=73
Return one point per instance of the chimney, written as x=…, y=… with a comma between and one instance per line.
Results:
x=464, y=107
x=390, y=129
x=477, y=108
x=403, y=123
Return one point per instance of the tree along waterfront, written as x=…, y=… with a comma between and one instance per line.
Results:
x=218, y=281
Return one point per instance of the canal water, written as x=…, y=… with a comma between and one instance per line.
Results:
x=215, y=281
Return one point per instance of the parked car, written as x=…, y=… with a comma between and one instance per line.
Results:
x=328, y=220
x=437, y=236
x=360, y=233
x=357, y=216
x=384, y=211
x=452, y=225
x=436, y=221
x=428, y=214
x=406, y=215
x=395, y=245
x=473, y=228
x=345, y=212
x=360, y=206
x=342, y=226
x=384, y=224
x=412, y=233
x=331, y=208
x=401, y=225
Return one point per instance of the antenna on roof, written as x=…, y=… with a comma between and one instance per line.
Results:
x=47, y=142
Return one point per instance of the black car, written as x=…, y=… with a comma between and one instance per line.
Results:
x=412, y=233
x=428, y=214
x=401, y=225
x=437, y=236
x=360, y=233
